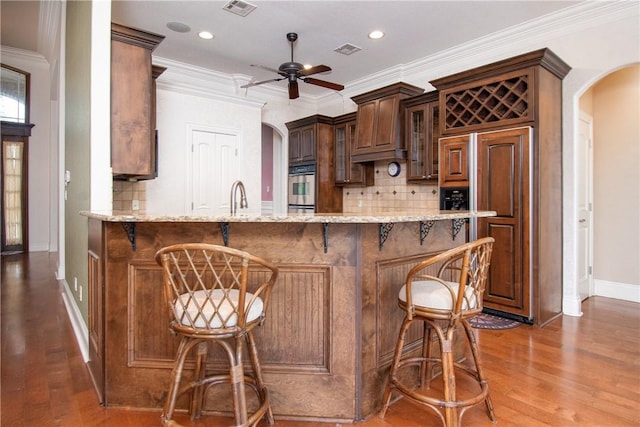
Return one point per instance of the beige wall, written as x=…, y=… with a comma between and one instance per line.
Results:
x=77, y=145
x=616, y=135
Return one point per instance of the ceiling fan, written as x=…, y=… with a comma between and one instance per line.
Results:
x=292, y=71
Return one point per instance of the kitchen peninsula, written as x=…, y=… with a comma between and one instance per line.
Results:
x=333, y=319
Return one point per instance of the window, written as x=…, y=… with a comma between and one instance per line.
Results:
x=14, y=95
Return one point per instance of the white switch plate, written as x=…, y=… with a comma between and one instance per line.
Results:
x=135, y=205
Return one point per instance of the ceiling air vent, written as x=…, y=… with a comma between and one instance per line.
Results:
x=347, y=49
x=239, y=7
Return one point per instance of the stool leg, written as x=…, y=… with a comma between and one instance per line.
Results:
x=448, y=377
x=236, y=371
x=198, y=389
x=397, y=355
x=473, y=343
x=176, y=375
x=257, y=370
x=426, y=367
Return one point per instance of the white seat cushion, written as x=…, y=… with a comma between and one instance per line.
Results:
x=215, y=309
x=433, y=294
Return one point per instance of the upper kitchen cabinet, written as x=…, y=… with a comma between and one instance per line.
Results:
x=500, y=95
x=348, y=172
x=379, y=123
x=454, y=161
x=421, y=132
x=302, y=145
x=133, y=139
x=313, y=141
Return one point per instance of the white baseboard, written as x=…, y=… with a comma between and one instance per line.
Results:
x=623, y=291
x=266, y=207
x=77, y=322
x=572, y=306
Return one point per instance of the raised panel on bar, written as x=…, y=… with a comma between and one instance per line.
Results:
x=96, y=323
x=297, y=327
x=150, y=343
x=393, y=273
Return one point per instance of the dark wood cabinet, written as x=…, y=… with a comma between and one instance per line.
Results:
x=516, y=106
x=504, y=186
x=379, y=123
x=348, y=172
x=454, y=161
x=421, y=133
x=133, y=139
x=302, y=145
x=318, y=132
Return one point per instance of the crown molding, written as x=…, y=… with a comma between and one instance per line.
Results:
x=194, y=80
x=28, y=55
x=531, y=35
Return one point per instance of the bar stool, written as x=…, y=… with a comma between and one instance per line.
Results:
x=206, y=292
x=442, y=292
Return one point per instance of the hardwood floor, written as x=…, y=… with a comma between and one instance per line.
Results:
x=575, y=372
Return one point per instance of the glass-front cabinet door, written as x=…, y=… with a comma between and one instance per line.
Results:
x=348, y=173
x=421, y=137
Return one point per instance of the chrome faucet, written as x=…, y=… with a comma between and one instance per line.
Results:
x=233, y=204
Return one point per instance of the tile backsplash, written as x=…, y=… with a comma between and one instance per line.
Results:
x=125, y=193
x=390, y=194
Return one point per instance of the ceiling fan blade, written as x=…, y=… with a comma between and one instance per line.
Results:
x=315, y=70
x=323, y=83
x=273, y=70
x=250, y=84
x=293, y=90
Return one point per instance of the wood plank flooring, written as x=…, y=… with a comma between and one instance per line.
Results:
x=577, y=371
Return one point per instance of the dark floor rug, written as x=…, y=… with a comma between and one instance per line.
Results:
x=489, y=321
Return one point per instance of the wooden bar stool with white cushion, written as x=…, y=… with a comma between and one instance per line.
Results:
x=442, y=291
x=206, y=291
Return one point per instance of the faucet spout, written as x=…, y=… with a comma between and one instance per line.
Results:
x=233, y=204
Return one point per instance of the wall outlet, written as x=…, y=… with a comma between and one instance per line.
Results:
x=135, y=205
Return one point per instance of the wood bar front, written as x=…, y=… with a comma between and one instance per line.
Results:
x=330, y=330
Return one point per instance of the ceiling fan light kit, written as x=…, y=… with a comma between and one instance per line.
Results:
x=293, y=71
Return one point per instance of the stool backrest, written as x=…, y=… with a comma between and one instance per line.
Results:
x=214, y=288
x=467, y=266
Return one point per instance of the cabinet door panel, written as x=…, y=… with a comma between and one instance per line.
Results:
x=365, y=126
x=454, y=166
x=308, y=144
x=503, y=186
x=387, y=117
x=131, y=152
x=294, y=146
x=341, y=153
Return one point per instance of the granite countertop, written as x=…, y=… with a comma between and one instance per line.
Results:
x=336, y=218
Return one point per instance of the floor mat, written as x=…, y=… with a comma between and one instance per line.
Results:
x=489, y=321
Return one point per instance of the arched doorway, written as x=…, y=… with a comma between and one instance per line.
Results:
x=608, y=186
x=274, y=167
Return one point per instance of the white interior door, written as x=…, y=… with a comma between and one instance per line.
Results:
x=215, y=165
x=585, y=206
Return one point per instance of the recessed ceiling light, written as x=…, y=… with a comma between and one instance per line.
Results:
x=205, y=35
x=178, y=27
x=376, y=34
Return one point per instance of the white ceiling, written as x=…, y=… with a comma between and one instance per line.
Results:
x=414, y=30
